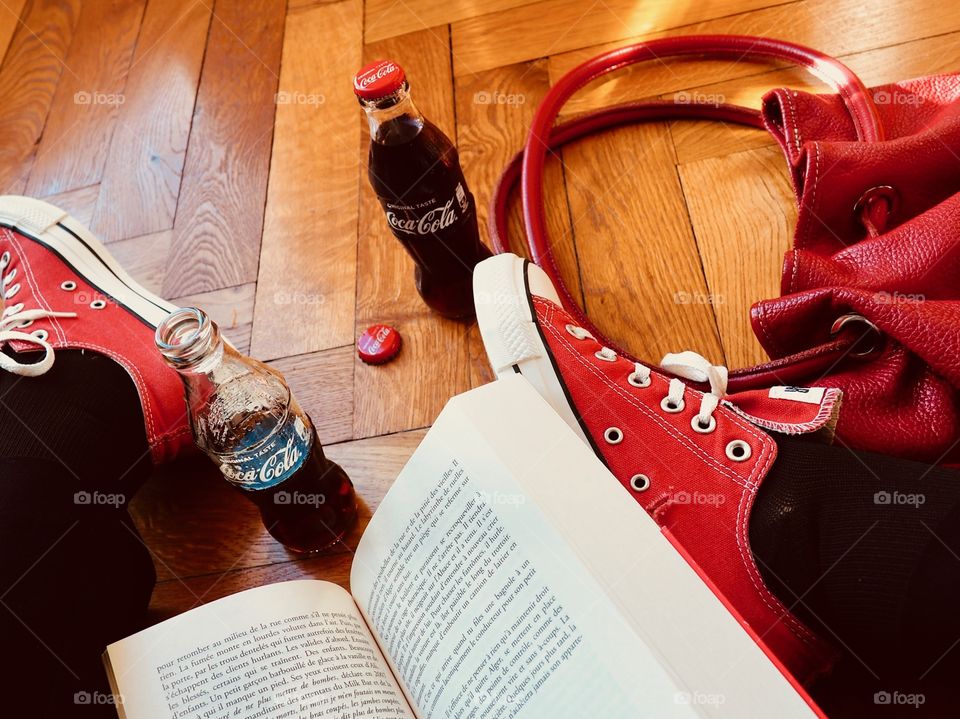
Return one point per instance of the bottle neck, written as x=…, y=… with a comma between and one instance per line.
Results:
x=393, y=119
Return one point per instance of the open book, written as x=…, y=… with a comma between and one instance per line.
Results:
x=505, y=574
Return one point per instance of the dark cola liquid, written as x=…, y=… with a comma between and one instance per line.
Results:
x=415, y=172
x=311, y=510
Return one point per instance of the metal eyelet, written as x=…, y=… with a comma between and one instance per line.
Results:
x=12, y=291
x=41, y=335
x=68, y=285
x=578, y=332
x=23, y=325
x=738, y=451
x=639, y=483
x=613, y=435
x=667, y=405
x=98, y=304
x=634, y=380
x=606, y=354
x=850, y=318
x=698, y=427
x=13, y=309
x=4, y=259
x=10, y=277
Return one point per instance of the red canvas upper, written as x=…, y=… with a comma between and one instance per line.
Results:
x=696, y=491
x=100, y=325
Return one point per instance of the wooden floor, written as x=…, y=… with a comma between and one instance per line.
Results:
x=218, y=149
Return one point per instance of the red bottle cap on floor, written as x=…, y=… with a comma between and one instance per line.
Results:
x=378, y=79
x=378, y=344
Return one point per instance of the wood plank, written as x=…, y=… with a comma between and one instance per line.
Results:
x=10, y=13
x=198, y=526
x=642, y=280
x=837, y=27
x=388, y=18
x=323, y=384
x=146, y=258
x=219, y=218
x=231, y=308
x=141, y=175
x=433, y=364
x=31, y=69
x=307, y=279
x=554, y=26
x=83, y=114
x=494, y=111
x=741, y=207
x=80, y=203
x=695, y=141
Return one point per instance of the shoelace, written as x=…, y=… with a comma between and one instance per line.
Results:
x=14, y=319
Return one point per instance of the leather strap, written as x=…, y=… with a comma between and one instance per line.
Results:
x=544, y=137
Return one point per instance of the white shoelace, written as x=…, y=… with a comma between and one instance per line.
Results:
x=14, y=319
x=696, y=368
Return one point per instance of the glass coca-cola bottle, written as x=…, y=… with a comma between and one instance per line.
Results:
x=245, y=418
x=415, y=172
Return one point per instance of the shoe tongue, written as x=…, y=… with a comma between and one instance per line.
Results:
x=789, y=410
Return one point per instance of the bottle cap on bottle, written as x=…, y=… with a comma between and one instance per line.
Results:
x=378, y=344
x=378, y=79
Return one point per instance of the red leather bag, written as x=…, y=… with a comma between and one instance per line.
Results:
x=870, y=291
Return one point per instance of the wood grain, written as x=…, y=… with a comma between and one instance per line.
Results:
x=494, y=111
x=642, y=281
x=231, y=308
x=550, y=27
x=146, y=258
x=743, y=212
x=141, y=176
x=31, y=69
x=323, y=384
x=216, y=239
x=433, y=363
x=10, y=13
x=88, y=98
x=198, y=526
x=80, y=203
x=306, y=284
x=388, y=18
x=836, y=27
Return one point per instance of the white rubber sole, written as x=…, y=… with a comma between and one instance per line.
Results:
x=86, y=255
x=502, y=286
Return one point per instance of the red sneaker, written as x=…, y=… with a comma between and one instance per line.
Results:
x=690, y=458
x=61, y=289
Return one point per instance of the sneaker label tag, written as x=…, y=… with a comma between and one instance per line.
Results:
x=809, y=395
x=274, y=462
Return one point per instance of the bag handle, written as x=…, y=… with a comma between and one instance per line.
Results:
x=528, y=166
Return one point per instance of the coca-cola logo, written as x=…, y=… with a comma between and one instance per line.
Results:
x=432, y=222
x=280, y=464
x=373, y=74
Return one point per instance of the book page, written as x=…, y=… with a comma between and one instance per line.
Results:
x=296, y=649
x=486, y=605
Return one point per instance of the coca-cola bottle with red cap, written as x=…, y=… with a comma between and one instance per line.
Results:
x=415, y=171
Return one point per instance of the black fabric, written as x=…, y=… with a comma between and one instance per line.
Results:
x=866, y=549
x=74, y=573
